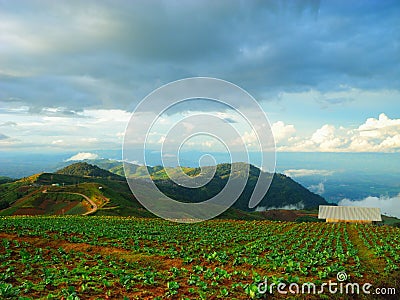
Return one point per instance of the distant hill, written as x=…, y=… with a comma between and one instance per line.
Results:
x=55, y=193
x=61, y=192
x=114, y=166
x=283, y=192
x=87, y=170
x=4, y=179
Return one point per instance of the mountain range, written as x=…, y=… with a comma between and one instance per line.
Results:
x=99, y=187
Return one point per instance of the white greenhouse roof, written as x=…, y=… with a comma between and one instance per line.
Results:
x=350, y=213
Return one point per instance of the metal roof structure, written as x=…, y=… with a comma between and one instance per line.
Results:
x=349, y=213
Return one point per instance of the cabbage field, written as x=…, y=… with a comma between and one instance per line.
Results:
x=75, y=257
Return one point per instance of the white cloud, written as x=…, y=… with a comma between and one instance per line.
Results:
x=89, y=140
x=83, y=156
x=391, y=142
x=282, y=132
x=297, y=206
x=317, y=188
x=383, y=122
x=8, y=123
x=375, y=135
x=307, y=172
x=327, y=139
x=54, y=127
x=109, y=61
x=108, y=115
x=135, y=162
x=380, y=135
x=208, y=144
x=161, y=139
x=323, y=134
x=249, y=138
x=104, y=129
x=388, y=206
x=58, y=142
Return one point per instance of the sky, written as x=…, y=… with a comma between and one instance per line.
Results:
x=326, y=73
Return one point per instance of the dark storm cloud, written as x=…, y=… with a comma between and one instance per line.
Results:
x=111, y=54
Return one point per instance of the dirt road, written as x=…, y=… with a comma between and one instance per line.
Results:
x=92, y=204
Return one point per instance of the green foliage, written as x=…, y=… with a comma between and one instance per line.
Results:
x=4, y=204
x=283, y=190
x=84, y=169
x=4, y=179
x=173, y=287
x=8, y=291
x=85, y=178
x=133, y=258
x=308, y=219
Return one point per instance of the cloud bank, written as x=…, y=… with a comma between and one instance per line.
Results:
x=107, y=54
x=296, y=206
x=374, y=135
x=82, y=156
x=317, y=188
x=389, y=206
x=71, y=72
x=307, y=172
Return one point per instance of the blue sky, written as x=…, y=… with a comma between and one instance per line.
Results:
x=327, y=73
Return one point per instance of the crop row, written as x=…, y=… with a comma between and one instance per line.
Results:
x=89, y=257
